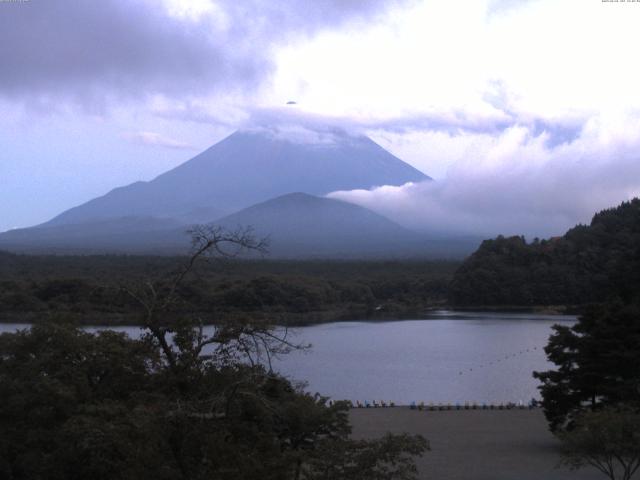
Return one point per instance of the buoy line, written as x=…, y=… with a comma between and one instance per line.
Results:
x=499, y=360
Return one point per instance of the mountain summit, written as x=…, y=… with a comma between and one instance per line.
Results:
x=248, y=167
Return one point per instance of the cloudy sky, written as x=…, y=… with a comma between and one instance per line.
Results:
x=526, y=113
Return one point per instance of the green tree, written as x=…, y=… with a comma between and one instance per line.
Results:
x=391, y=456
x=594, y=263
x=598, y=364
x=608, y=440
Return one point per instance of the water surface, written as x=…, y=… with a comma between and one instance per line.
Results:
x=447, y=357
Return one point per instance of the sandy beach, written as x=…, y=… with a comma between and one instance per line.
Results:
x=475, y=444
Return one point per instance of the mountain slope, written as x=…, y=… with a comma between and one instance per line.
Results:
x=249, y=167
x=297, y=224
x=114, y=235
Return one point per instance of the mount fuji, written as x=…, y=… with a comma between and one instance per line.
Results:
x=249, y=176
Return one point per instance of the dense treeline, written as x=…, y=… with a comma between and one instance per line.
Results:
x=93, y=289
x=588, y=264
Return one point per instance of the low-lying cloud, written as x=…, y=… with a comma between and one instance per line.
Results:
x=519, y=182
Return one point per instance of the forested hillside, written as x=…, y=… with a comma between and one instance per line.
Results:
x=588, y=264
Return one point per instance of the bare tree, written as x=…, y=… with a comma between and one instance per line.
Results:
x=184, y=341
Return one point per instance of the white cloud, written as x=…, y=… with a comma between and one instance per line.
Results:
x=155, y=139
x=551, y=59
x=516, y=183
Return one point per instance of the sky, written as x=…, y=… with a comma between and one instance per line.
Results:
x=526, y=113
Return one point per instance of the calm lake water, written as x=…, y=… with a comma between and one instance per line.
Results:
x=447, y=357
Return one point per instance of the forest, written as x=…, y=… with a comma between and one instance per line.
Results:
x=93, y=289
x=589, y=264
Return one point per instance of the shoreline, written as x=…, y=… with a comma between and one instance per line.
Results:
x=293, y=320
x=474, y=444
x=539, y=309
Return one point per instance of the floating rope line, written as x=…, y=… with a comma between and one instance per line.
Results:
x=498, y=360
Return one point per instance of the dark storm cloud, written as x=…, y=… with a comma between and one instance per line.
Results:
x=85, y=49
x=80, y=48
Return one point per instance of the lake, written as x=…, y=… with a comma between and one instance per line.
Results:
x=446, y=357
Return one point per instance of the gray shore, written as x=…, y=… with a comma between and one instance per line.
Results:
x=475, y=444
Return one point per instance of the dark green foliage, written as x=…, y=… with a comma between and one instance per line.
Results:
x=597, y=364
x=89, y=288
x=588, y=264
x=608, y=440
x=77, y=405
x=389, y=457
x=69, y=399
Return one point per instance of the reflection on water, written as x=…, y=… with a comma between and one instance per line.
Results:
x=447, y=357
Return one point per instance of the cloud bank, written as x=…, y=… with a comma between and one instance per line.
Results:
x=521, y=183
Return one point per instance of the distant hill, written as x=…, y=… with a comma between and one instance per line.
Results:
x=246, y=168
x=588, y=264
x=301, y=225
